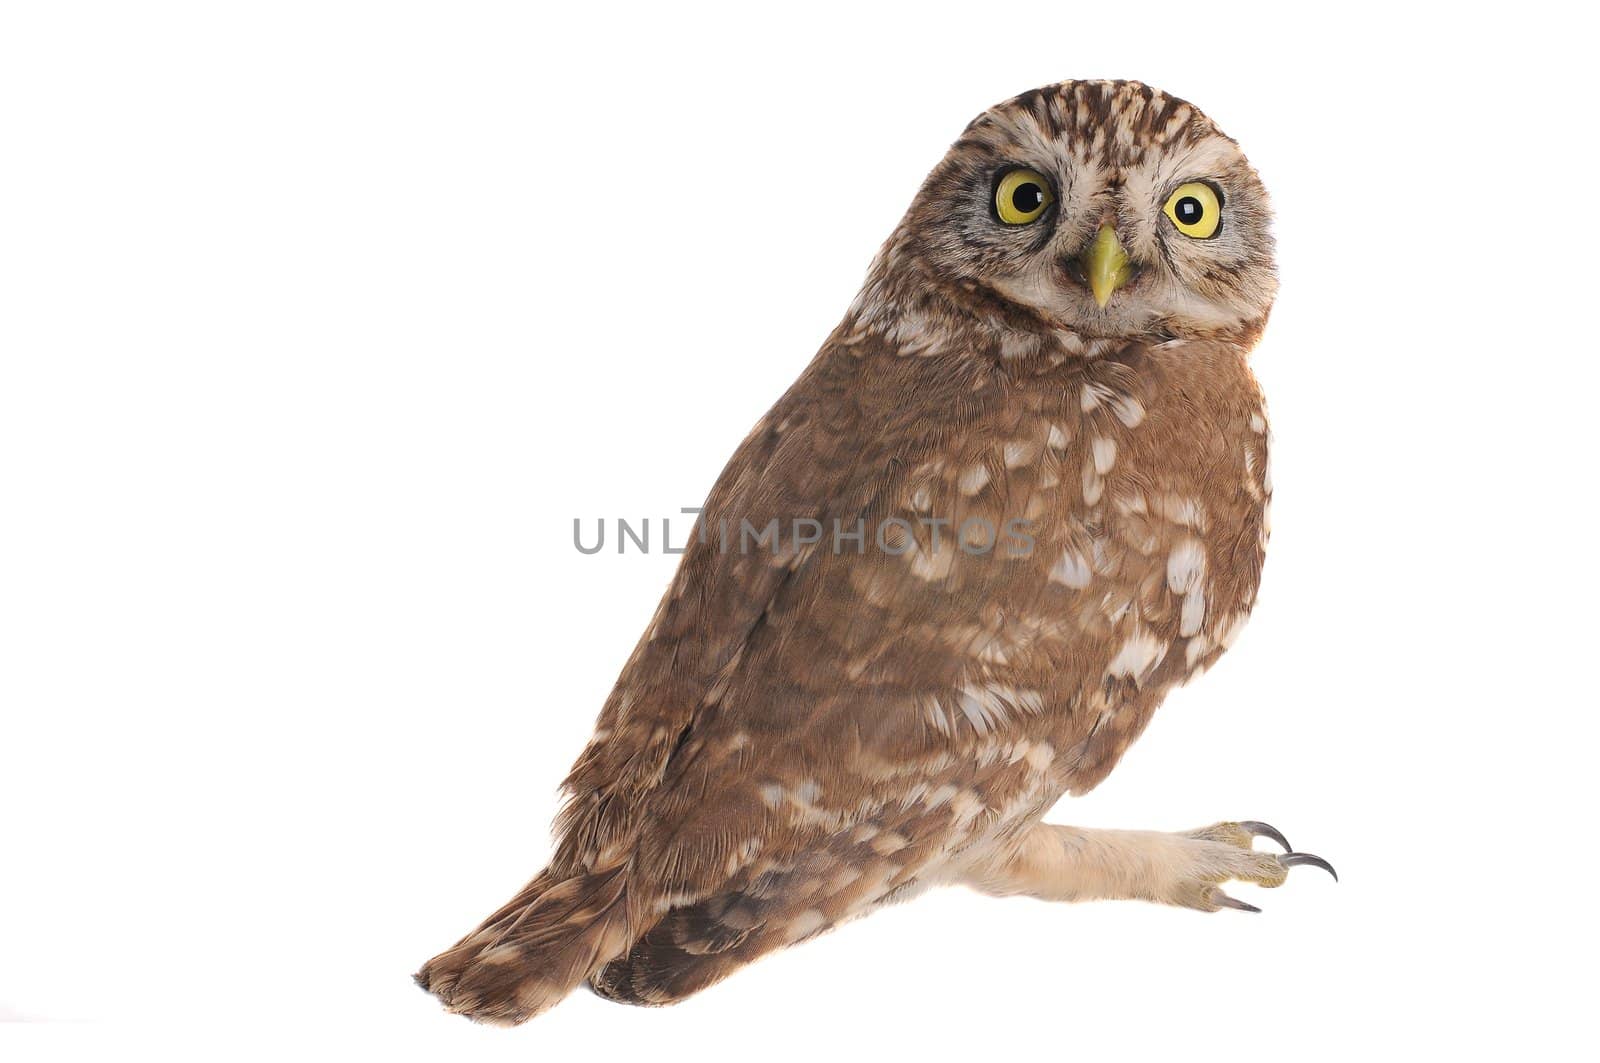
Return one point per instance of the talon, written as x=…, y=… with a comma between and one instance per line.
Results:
x=1224, y=901
x=1258, y=829
x=1292, y=859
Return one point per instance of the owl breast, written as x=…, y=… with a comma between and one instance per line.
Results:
x=1091, y=537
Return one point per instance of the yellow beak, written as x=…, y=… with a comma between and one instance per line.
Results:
x=1106, y=265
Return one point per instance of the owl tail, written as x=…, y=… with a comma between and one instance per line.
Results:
x=524, y=958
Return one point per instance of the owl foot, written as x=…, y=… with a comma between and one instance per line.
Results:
x=1186, y=869
x=1230, y=856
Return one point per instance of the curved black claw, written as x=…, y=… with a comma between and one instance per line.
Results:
x=1225, y=901
x=1266, y=830
x=1292, y=859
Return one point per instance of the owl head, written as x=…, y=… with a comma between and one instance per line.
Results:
x=1103, y=207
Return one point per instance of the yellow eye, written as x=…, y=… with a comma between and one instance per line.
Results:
x=1021, y=196
x=1196, y=210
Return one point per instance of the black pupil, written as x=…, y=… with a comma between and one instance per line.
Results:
x=1189, y=210
x=1028, y=198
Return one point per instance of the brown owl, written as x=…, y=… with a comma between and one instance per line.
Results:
x=1019, y=494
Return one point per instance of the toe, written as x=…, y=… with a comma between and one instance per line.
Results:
x=1221, y=900
x=1259, y=829
x=1227, y=832
x=1262, y=869
x=1309, y=860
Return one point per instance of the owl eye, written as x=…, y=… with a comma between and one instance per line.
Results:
x=1021, y=196
x=1196, y=209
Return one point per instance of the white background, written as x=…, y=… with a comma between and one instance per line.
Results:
x=322, y=321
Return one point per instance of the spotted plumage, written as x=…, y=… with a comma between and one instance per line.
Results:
x=1047, y=436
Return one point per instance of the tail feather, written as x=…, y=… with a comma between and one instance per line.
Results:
x=691, y=948
x=544, y=943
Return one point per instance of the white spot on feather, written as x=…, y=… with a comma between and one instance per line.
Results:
x=1186, y=565
x=1093, y=485
x=1138, y=657
x=890, y=841
x=502, y=956
x=1251, y=488
x=965, y=806
x=973, y=480
x=1129, y=410
x=1105, y=454
x=987, y=704
x=1193, y=614
x=933, y=565
x=1183, y=510
x=806, y=923
x=1019, y=452
x=1018, y=345
x=1072, y=570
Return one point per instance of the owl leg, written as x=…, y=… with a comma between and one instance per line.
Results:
x=1188, y=869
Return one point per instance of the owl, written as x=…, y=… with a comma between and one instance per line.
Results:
x=1018, y=496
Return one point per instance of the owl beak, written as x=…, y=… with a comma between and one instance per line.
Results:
x=1106, y=265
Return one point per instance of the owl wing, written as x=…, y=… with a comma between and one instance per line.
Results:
x=824, y=453
x=794, y=739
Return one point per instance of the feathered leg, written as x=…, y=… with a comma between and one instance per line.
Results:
x=1058, y=863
